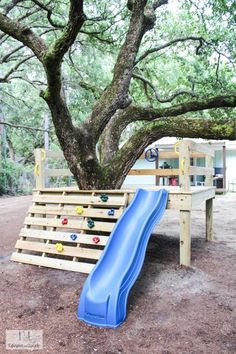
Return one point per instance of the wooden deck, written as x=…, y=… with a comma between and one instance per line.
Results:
x=43, y=227
x=46, y=241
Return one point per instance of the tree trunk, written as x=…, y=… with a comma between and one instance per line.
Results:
x=10, y=149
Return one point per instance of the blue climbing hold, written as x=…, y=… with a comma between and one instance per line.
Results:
x=111, y=212
x=73, y=237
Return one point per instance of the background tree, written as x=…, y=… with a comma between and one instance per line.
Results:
x=159, y=69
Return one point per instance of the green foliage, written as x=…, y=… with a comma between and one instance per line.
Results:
x=11, y=175
x=206, y=67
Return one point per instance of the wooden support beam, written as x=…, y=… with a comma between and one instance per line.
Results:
x=185, y=238
x=86, y=239
x=209, y=176
x=184, y=166
x=157, y=172
x=173, y=155
x=209, y=219
x=56, y=172
x=200, y=171
x=39, y=169
x=224, y=166
x=81, y=267
x=54, y=154
x=202, y=148
x=78, y=200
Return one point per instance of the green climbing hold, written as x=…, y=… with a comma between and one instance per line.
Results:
x=90, y=223
x=104, y=197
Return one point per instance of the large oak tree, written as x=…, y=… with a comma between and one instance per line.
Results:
x=93, y=147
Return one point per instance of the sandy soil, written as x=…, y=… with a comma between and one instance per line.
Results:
x=171, y=310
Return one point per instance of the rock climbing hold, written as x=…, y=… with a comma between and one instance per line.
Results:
x=90, y=223
x=64, y=221
x=79, y=210
x=111, y=212
x=96, y=239
x=104, y=197
x=59, y=247
x=73, y=237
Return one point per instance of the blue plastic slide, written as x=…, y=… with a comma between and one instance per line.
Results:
x=104, y=296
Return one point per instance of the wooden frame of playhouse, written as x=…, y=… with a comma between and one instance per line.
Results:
x=46, y=241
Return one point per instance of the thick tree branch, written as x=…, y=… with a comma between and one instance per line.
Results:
x=158, y=97
x=116, y=94
x=23, y=34
x=114, y=129
x=159, y=3
x=134, y=113
x=55, y=53
x=64, y=42
x=175, y=127
x=52, y=62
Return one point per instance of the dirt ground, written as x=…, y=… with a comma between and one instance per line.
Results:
x=171, y=310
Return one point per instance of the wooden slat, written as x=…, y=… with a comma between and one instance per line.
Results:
x=185, y=238
x=200, y=171
x=72, y=224
x=75, y=190
x=205, y=194
x=209, y=220
x=72, y=251
x=52, y=262
x=184, y=164
x=78, y=200
x=173, y=155
x=200, y=148
x=54, y=154
x=65, y=211
x=62, y=236
x=156, y=172
x=55, y=172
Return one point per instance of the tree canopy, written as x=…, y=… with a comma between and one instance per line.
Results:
x=117, y=76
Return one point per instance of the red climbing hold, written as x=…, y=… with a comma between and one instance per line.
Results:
x=96, y=239
x=64, y=221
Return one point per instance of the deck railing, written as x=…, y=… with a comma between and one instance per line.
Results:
x=184, y=151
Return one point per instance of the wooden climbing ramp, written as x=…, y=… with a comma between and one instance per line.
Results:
x=68, y=229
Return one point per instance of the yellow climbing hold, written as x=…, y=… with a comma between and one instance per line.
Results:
x=79, y=210
x=59, y=247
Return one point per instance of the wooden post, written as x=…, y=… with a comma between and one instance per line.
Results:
x=185, y=238
x=209, y=177
x=156, y=167
x=185, y=215
x=46, y=143
x=209, y=219
x=184, y=164
x=39, y=169
x=224, y=167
